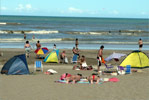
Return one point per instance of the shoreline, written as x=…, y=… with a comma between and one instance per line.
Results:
x=82, y=46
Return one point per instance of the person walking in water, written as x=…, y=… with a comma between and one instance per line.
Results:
x=140, y=42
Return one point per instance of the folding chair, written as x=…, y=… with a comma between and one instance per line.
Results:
x=108, y=66
x=128, y=69
x=38, y=64
x=120, y=70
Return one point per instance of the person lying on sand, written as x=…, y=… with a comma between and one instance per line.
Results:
x=73, y=78
x=93, y=78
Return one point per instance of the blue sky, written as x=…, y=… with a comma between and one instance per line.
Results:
x=77, y=8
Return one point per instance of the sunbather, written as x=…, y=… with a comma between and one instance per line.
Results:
x=94, y=78
x=73, y=78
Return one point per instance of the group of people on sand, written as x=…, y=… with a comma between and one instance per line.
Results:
x=28, y=48
x=63, y=57
x=81, y=60
x=94, y=78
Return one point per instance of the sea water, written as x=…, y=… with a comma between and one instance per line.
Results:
x=113, y=33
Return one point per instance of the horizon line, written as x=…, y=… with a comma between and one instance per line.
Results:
x=75, y=16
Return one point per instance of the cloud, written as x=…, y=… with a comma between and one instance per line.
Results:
x=143, y=13
x=28, y=6
x=4, y=8
x=22, y=7
x=115, y=12
x=74, y=10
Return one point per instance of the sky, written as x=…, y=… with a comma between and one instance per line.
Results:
x=77, y=8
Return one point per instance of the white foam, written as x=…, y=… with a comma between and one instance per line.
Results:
x=33, y=40
x=29, y=32
x=3, y=32
x=42, y=32
x=2, y=23
x=91, y=33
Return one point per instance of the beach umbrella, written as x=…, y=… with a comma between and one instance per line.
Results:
x=43, y=50
x=115, y=56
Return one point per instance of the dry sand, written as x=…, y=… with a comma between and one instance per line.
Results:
x=39, y=86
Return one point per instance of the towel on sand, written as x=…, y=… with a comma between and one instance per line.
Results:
x=81, y=81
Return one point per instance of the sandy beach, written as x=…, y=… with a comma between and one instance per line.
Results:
x=39, y=86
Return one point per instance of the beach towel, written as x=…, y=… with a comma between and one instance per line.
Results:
x=81, y=82
x=114, y=79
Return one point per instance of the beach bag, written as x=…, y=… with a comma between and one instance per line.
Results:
x=66, y=60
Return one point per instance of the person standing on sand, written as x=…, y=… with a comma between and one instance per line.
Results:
x=38, y=45
x=77, y=43
x=54, y=46
x=99, y=57
x=27, y=48
x=140, y=42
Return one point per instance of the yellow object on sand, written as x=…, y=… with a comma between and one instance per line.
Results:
x=136, y=59
x=52, y=57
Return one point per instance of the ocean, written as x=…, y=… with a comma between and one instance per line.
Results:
x=113, y=33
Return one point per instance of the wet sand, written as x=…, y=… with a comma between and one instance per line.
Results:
x=39, y=86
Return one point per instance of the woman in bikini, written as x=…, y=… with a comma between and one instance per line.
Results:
x=93, y=78
x=73, y=78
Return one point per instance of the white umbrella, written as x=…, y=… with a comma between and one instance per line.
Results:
x=115, y=56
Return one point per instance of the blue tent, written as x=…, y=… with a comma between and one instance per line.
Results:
x=17, y=65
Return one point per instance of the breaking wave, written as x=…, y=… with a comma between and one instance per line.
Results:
x=4, y=23
x=28, y=32
x=32, y=40
x=120, y=32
